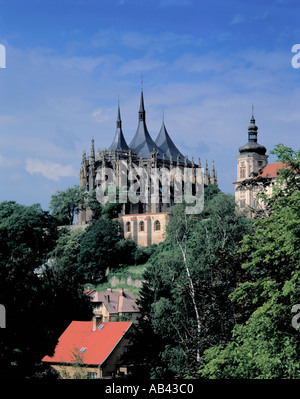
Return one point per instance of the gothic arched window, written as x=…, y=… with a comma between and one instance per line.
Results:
x=128, y=227
x=156, y=225
x=142, y=226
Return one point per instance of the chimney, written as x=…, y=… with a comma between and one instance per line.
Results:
x=96, y=320
x=121, y=291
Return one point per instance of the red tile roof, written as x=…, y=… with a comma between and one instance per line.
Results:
x=271, y=170
x=99, y=343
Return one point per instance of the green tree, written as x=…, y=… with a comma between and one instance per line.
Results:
x=264, y=344
x=91, y=202
x=110, y=210
x=98, y=249
x=63, y=260
x=64, y=205
x=184, y=299
x=38, y=309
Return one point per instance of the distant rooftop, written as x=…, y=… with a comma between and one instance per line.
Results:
x=115, y=301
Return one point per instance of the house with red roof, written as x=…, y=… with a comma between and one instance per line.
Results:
x=97, y=349
x=114, y=305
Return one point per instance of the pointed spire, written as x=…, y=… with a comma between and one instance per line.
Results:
x=206, y=175
x=119, y=121
x=98, y=154
x=213, y=179
x=166, y=144
x=83, y=162
x=142, y=112
x=119, y=142
x=252, y=128
x=92, y=157
x=252, y=146
x=142, y=143
x=213, y=169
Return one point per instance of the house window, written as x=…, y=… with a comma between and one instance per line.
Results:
x=156, y=225
x=82, y=350
x=242, y=203
x=92, y=376
x=128, y=227
x=142, y=226
x=242, y=170
x=242, y=173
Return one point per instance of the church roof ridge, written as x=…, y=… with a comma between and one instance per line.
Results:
x=166, y=144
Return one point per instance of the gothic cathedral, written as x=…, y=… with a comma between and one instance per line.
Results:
x=143, y=222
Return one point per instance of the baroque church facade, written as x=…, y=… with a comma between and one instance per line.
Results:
x=144, y=221
x=252, y=161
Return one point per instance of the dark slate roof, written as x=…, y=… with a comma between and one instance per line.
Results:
x=252, y=145
x=119, y=142
x=142, y=143
x=167, y=146
x=116, y=301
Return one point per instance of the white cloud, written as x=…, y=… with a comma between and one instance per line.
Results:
x=237, y=19
x=8, y=120
x=50, y=170
x=7, y=162
x=100, y=115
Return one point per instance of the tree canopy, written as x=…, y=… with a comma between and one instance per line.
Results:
x=265, y=344
x=184, y=299
x=64, y=205
x=37, y=309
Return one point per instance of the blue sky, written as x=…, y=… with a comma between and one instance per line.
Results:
x=204, y=62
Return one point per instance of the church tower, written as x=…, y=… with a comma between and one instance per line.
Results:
x=252, y=159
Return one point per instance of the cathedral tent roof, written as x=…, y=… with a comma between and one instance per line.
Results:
x=142, y=143
x=166, y=144
x=119, y=142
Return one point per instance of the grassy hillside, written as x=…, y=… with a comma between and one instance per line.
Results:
x=129, y=278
